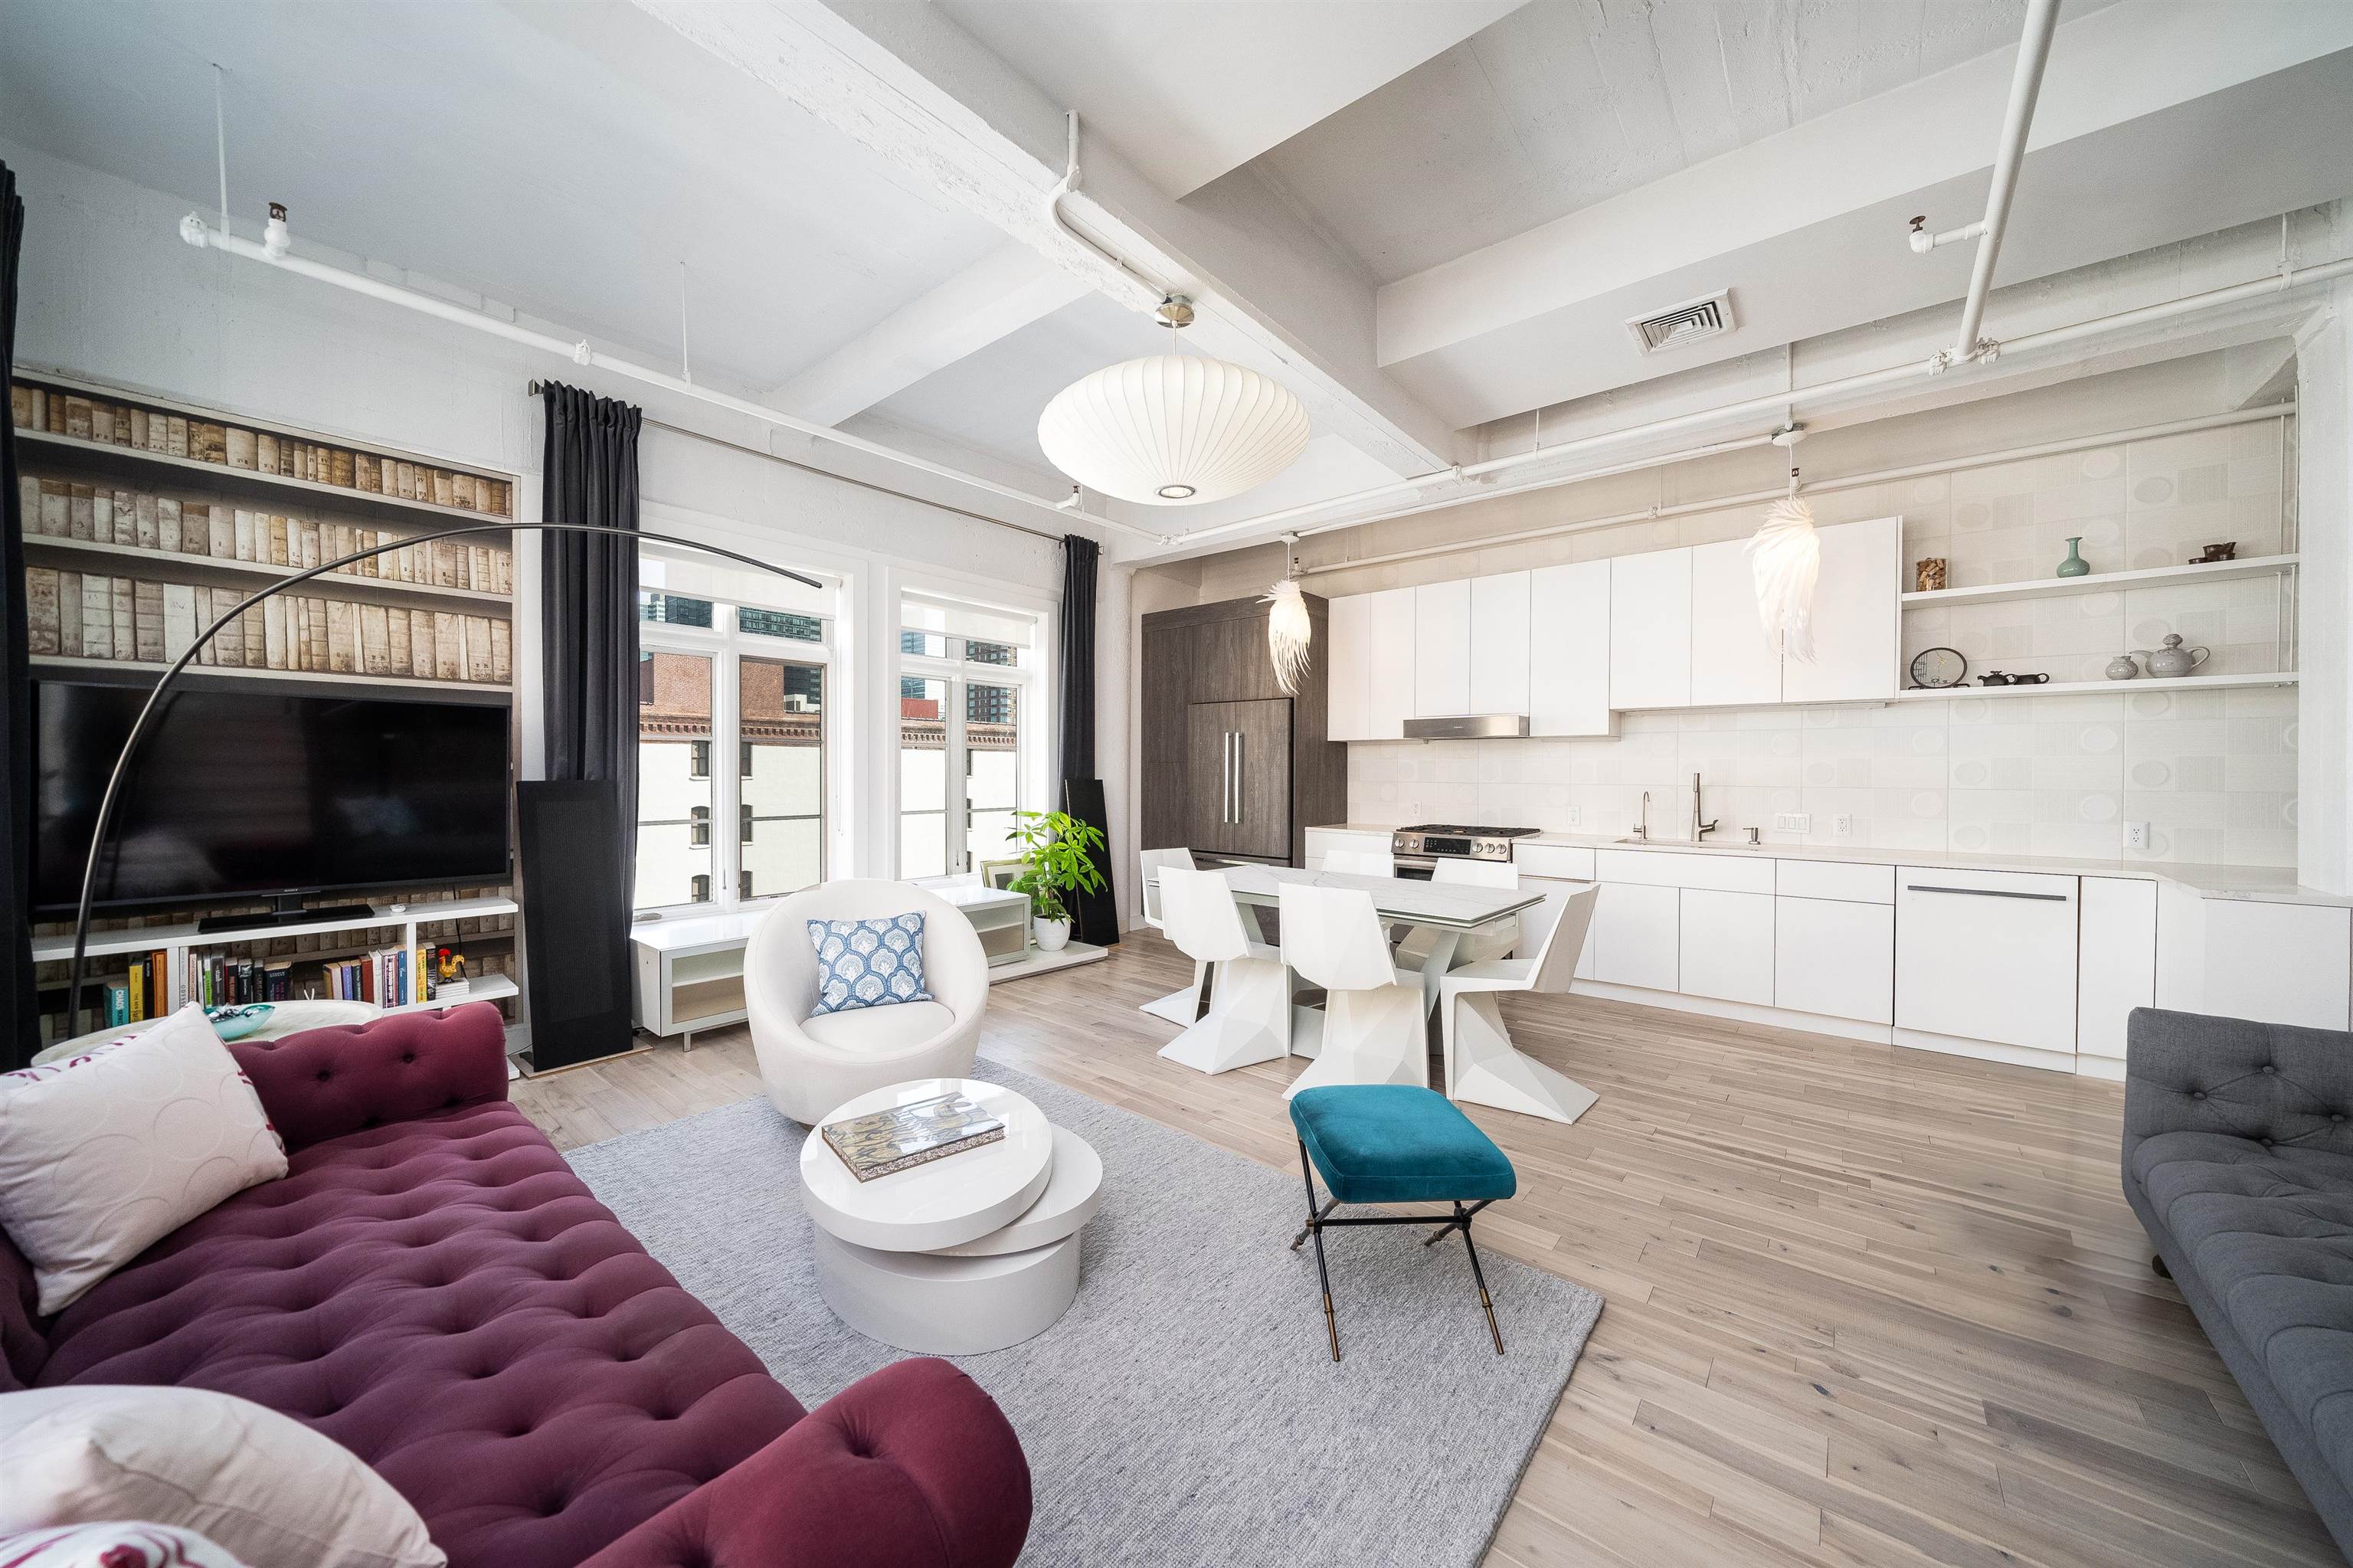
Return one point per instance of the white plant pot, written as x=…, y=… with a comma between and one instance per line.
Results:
x=1053, y=936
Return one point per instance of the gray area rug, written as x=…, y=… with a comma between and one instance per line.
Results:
x=1186, y=1409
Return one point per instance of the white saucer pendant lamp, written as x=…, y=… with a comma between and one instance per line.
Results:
x=1173, y=430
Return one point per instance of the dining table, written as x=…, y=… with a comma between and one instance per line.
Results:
x=1447, y=910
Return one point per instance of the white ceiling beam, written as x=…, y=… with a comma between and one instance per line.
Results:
x=998, y=295
x=1807, y=222
x=1136, y=68
x=911, y=86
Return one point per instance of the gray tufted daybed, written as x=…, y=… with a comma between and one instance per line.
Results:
x=2238, y=1157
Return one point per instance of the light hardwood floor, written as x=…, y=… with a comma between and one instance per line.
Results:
x=1865, y=1306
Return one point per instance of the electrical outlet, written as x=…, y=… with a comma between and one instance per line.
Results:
x=1793, y=822
x=1842, y=826
x=2136, y=835
x=1577, y=816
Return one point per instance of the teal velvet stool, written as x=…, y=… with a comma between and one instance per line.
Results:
x=1396, y=1143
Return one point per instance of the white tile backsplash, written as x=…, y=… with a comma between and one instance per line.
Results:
x=2213, y=774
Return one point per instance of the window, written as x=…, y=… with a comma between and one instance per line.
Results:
x=963, y=753
x=719, y=681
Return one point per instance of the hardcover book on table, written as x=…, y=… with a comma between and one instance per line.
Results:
x=885, y=1143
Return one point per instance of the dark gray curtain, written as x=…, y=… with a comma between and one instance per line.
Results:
x=17, y=996
x=1094, y=917
x=588, y=602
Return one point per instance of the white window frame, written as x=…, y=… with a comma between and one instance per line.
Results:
x=1024, y=676
x=723, y=643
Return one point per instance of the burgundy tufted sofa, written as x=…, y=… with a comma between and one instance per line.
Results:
x=431, y=1286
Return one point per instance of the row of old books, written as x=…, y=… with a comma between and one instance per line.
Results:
x=63, y=413
x=64, y=509
x=88, y=615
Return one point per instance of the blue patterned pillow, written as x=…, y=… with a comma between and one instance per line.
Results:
x=869, y=963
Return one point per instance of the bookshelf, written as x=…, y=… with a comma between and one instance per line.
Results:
x=407, y=926
x=147, y=517
x=177, y=511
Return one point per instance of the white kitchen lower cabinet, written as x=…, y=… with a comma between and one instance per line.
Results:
x=2116, y=968
x=1834, y=958
x=1636, y=937
x=1727, y=941
x=2278, y=963
x=1986, y=957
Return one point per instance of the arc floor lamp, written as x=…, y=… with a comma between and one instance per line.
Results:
x=163, y=683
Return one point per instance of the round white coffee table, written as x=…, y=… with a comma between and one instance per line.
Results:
x=972, y=1252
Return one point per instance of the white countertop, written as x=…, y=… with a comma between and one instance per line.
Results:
x=2260, y=884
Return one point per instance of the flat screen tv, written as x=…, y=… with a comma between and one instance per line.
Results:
x=248, y=795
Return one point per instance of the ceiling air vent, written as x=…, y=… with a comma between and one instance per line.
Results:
x=1686, y=324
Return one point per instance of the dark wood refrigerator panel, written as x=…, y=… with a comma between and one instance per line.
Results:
x=1166, y=681
x=1216, y=655
x=1239, y=778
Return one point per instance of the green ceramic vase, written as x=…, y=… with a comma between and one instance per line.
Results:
x=2074, y=565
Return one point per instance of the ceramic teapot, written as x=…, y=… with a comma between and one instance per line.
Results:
x=2173, y=658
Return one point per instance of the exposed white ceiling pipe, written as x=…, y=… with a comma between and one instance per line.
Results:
x=204, y=236
x=1813, y=487
x=2025, y=87
x=1774, y=404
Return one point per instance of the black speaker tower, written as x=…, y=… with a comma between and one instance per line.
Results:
x=575, y=922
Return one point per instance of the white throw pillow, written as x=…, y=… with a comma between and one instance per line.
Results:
x=100, y=1161
x=261, y=1485
x=117, y=1543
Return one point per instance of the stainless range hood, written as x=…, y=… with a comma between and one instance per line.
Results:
x=1468, y=727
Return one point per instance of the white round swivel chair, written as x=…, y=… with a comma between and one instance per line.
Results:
x=813, y=1064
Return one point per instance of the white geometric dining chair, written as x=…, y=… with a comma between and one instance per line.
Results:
x=1179, y=1007
x=1373, y=1019
x=1483, y=1065
x=1474, y=946
x=1249, y=1018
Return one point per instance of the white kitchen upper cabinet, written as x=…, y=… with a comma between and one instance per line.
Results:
x=1499, y=644
x=1389, y=631
x=1568, y=650
x=2116, y=964
x=1835, y=958
x=1727, y=946
x=1731, y=662
x=1442, y=648
x=1858, y=616
x=1347, y=673
x=1650, y=630
x=1987, y=956
x=1637, y=936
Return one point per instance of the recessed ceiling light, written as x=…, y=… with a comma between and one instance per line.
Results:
x=1174, y=492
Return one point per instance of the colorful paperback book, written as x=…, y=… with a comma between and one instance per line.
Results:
x=887, y=1142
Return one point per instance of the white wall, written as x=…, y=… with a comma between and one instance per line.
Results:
x=2324, y=485
x=109, y=290
x=2214, y=773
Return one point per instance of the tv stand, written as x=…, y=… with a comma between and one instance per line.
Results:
x=287, y=912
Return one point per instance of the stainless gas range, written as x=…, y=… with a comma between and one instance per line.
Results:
x=1418, y=849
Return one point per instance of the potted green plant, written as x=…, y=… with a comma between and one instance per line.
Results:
x=1055, y=848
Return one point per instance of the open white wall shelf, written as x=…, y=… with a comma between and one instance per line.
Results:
x=2122, y=688
x=2107, y=582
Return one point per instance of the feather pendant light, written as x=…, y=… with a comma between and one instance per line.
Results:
x=1289, y=633
x=1786, y=554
